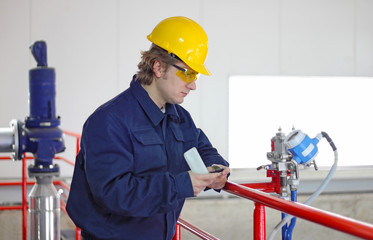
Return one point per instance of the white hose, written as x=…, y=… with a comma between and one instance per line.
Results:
x=310, y=199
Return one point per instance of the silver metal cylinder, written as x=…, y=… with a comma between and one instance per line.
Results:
x=6, y=140
x=44, y=211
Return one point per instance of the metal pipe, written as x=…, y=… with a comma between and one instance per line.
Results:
x=9, y=140
x=331, y=220
x=44, y=210
x=6, y=140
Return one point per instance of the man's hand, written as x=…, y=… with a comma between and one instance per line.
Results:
x=201, y=181
x=221, y=179
x=211, y=180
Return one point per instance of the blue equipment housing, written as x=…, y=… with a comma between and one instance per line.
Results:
x=303, y=148
x=40, y=133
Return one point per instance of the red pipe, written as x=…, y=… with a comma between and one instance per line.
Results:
x=268, y=187
x=195, y=230
x=331, y=220
x=76, y=135
x=57, y=182
x=78, y=233
x=177, y=235
x=15, y=183
x=8, y=158
x=259, y=222
x=11, y=208
x=77, y=146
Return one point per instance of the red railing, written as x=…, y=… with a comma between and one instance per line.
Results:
x=23, y=206
x=331, y=220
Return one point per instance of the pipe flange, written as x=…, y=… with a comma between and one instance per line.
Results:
x=15, y=125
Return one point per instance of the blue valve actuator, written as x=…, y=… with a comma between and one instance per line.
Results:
x=42, y=93
x=40, y=134
x=303, y=148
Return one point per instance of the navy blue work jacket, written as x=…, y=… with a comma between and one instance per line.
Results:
x=130, y=178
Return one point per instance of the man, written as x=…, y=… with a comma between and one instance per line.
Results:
x=130, y=179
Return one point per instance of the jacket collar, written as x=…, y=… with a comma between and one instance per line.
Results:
x=149, y=107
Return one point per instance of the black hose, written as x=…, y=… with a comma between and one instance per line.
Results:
x=330, y=141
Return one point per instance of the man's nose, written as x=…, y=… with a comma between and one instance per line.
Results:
x=192, y=85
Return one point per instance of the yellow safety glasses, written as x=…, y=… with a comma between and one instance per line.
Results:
x=186, y=74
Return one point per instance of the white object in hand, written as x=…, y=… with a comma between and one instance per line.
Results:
x=195, y=162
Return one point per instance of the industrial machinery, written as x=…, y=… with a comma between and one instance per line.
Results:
x=288, y=155
x=40, y=135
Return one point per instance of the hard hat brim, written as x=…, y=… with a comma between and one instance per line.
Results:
x=200, y=69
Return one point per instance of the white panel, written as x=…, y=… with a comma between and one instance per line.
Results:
x=364, y=38
x=317, y=37
x=14, y=60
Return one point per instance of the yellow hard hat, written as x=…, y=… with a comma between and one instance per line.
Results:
x=185, y=38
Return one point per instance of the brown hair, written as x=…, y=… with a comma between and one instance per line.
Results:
x=145, y=75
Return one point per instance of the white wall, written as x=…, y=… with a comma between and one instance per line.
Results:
x=95, y=47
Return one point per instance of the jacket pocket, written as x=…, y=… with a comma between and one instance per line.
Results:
x=149, y=155
x=186, y=137
x=147, y=136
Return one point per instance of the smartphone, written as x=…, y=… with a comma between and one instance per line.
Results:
x=216, y=168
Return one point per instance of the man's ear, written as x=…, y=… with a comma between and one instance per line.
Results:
x=157, y=69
